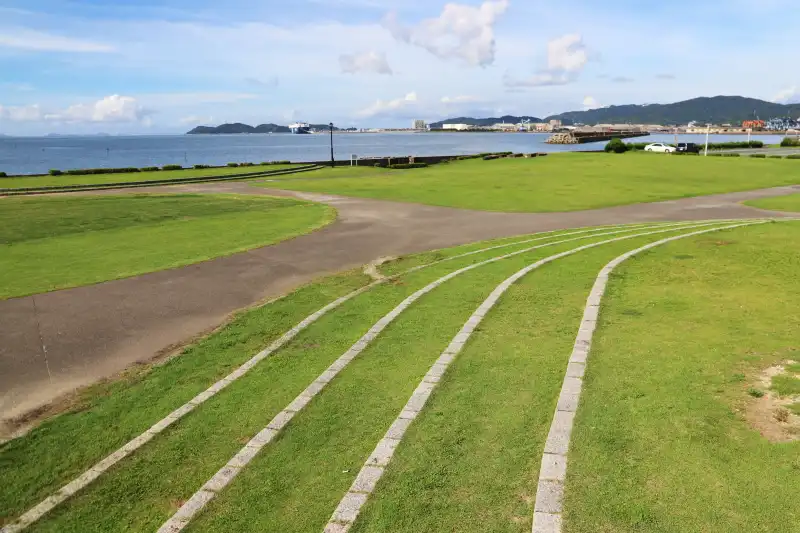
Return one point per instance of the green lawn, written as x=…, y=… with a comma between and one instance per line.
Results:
x=51, y=243
x=99, y=179
x=562, y=182
x=780, y=203
x=660, y=444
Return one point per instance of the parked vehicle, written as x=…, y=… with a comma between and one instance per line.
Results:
x=659, y=147
x=688, y=147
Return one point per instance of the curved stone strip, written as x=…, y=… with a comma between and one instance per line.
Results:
x=349, y=507
x=226, y=474
x=548, y=507
x=99, y=468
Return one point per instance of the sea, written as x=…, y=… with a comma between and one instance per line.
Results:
x=37, y=155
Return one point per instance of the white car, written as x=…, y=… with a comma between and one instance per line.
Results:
x=659, y=147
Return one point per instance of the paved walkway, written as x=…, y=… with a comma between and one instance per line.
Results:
x=54, y=342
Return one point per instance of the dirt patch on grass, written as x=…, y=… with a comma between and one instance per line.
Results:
x=773, y=415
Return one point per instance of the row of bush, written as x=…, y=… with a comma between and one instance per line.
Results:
x=86, y=171
x=790, y=141
x=402, y=166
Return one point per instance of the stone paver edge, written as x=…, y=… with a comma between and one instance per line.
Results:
x=365, y=482
x=80, y=482
x=548, y=505
x=226, y=474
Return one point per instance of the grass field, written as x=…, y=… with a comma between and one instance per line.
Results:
x=99, y=179
x=562, y=182
x=781, y=203
x=51, y=243
x=660, y=443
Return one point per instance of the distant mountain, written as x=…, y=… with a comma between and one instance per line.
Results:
x=715, y=110
x=238, y=127
x=483, y=121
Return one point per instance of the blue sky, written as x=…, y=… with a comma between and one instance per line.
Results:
x=149, y=66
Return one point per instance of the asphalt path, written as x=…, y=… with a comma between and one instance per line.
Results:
x=53, y=343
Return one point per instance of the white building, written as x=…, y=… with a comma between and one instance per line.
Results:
x=419, y=125
x=456, y=127
x=505, y=127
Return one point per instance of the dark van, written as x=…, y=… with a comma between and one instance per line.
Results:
x=689, y=147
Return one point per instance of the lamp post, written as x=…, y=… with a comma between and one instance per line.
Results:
x=333, y=162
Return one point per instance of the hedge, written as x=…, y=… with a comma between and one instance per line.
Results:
x=401, y=166
x=711, y=146
x=55, y=172
x=233, y=165
x=731, y=155
x=172, y=167
x=202, y=166
x=790, y=141
x=150, y=169
x=776, y=157
x=616, y=145
x=759, y=156
x=3, y=175
x=85, y=171
x=793, y=156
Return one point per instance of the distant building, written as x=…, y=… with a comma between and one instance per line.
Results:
x=419, y=125
x=542, y=127
x=754, y=124
x=503, y=126
x=555, y=123
x=456, y=127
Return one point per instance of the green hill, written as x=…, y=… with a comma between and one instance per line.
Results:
x=716, y=110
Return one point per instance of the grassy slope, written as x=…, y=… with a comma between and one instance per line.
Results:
x=471, y=460
x=93, y=179
x=563, y=182
x=781, y=203
x=172, y=465
x=50, y=243
x=660, y=444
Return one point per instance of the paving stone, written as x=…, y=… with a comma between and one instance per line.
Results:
x=576, y=370
x=198, y=500
x=181, y=411
x=447, y=357
x=203, y=396
x=572, y=385
x=138, y=442
x=398, y=428
x=437, y=370
x=221, y=479
x=568, y=402
x=367, y=479
x=591, y=313
x=262, y=437
x=110, y=460
x=349, y=507
x=298, y=403
x=161, y=425
x=549, y=496
x=383, y=452
x=546, y=523
x=313, y=389
x=420, y=396
x=244, y=456
x=336, y=528
x=554, y=467
x=408, y=415
x=560, y=432
x=326, y=377
x=78, y=483
x=280, y=420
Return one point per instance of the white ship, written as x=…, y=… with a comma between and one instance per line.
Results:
x=300, y=128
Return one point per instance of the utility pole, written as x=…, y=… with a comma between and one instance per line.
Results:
x=333, y=162
x=708, y=131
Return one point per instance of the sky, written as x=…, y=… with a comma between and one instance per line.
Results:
x=165, y=66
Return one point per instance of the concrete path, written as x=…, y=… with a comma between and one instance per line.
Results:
x=55, y=342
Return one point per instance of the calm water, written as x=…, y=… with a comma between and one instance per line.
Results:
x=35, y=155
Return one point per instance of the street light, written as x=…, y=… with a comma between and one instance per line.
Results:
x=333, y=163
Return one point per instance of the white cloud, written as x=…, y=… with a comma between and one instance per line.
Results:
x=566, y=57
x=113, y=108
x=567, y=53
x=381, y=107
x=590, y=103
x=462, y=99
x=622, y=79
x=542, y=79
x=368, y=62
x=26, y=39
x=194, y=119
x=460, y=32
x=30, y=113
x=788, y=96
